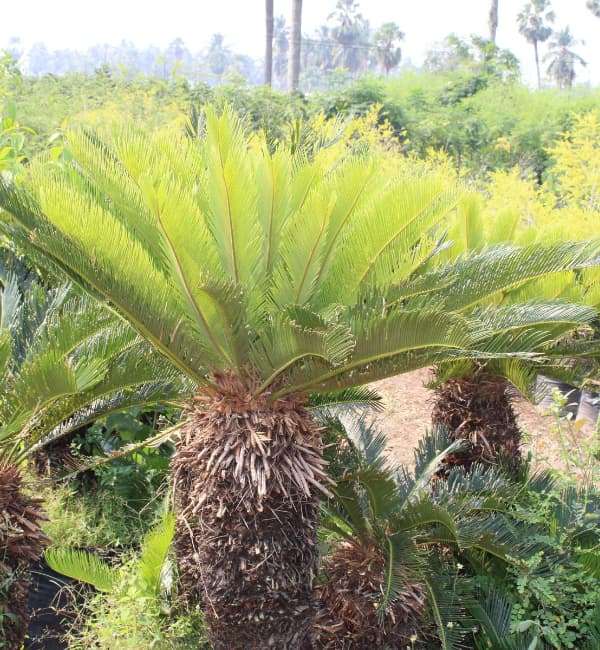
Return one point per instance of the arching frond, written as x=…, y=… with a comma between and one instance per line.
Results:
x=82, y=566
x=155, y=549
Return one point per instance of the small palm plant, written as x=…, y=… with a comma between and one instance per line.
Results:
x=151, y=565
x=391, y=534
x=64, y=361
x=474, y=398
x=262, y=278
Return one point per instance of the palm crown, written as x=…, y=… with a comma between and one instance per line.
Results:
x=566, y=298
x=301, y=275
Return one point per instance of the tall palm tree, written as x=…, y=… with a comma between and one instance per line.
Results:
x=493, y=20
x=269, y=41
x=351, y=32
x=281, y=46
x=533, y=25
x=594, y=7
x=263, y=278
x=295, y=47
x=563, y=59
x=387, y=39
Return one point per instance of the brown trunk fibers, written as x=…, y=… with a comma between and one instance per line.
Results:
x=21, y=543
x=246, y=479
x=348, y=617
x=478, y=409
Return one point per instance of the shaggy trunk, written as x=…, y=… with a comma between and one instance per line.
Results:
x=269, y=42
x=21, y=543
x=246, y=477
x=55, y=458
x=349, y=598
x=478, y=409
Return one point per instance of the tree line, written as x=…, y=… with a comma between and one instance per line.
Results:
x=345, y=46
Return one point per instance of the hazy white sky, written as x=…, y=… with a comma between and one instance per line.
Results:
x=80, y=23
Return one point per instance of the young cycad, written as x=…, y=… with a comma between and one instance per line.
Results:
x=262, y=277
x=64, y=360
x=545, y=310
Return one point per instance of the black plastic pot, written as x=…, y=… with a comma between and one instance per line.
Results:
x=545, y=388
x=47, y=597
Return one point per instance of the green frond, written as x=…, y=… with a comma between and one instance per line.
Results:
x=350, y=401
x=231, y=197
x=370, y=441
x=399, y=218
x=404, y=338
x=82, y=566
x=431, y=450
x=155, y=549
x=402, y=562
x=557, y=317
x=446, y=605
x=508, y=267
x=168, y=435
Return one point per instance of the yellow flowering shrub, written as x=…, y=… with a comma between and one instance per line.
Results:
x=575, y=174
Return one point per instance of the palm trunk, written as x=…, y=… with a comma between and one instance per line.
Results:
x=269, y=42
x=478, y=409
x=245, y=479
x=537, y=64
x=493, y=20
x=21, y=543
x=349, y=599
x=295, y=46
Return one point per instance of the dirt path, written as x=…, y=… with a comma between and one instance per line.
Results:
x=407, y=415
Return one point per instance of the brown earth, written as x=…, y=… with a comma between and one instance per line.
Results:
x=407, y=414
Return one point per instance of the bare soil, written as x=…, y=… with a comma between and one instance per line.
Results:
x=407, y=415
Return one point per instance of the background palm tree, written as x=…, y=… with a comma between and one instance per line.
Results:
x=64, y=362
x=268, y=41
x=385, y=582
x=387, y=39
x=563, y=59
x=533, y=25
x=493, y=20
x=295, y=46
x=281, y=46
x=351, y=33
x=473, y=399
x=594, y=7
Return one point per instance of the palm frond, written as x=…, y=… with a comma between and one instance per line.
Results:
x=83, y=566
x=155, y=549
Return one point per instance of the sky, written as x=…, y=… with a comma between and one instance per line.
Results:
x=81, y=23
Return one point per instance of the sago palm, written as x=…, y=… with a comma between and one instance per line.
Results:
x=261, y=278
x=64, y=360
x=391, y=532
x=474, y=397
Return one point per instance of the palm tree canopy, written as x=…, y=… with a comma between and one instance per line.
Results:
x=594, y=7
x=532, y=21
x=567, y=299
x=227, y=257
x=563, y=58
